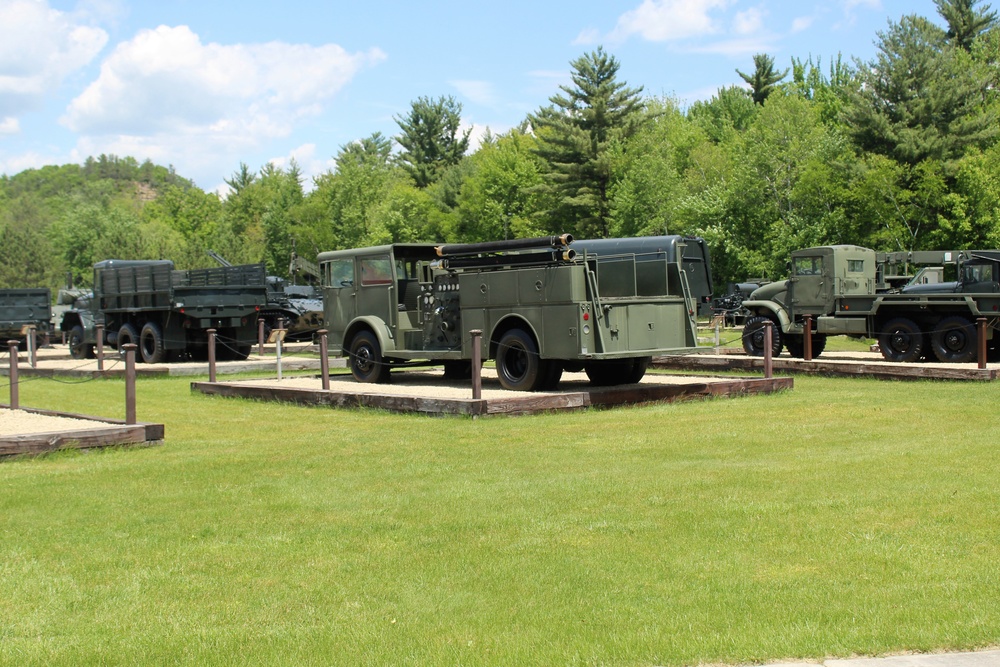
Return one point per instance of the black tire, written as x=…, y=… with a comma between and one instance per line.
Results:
x=151, y=343
x=796, y=345
x=127, y=334
x=639, y=366
x=610, y=372
x=518, y=366
x=954, y=340
x=77, y=348
x=753, y=336
x=901, y=340
x=242, y=352
x=367, y=362
x=553, y=370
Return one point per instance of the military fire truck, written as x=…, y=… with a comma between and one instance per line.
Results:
x=542, y=308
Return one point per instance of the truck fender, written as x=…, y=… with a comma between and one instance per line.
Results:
x=772, y=310
x=375, y=324
x=506, y=323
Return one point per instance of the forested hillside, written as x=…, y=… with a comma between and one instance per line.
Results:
x=897, y=153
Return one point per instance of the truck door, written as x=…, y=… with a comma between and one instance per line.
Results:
x=377, y=291
x=339, y=306
x=811, y=287
x=979, y=277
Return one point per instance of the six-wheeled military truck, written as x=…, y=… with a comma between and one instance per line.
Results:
x=843, y=291
x=21, y=308
x=542, y=309
x=168, y=312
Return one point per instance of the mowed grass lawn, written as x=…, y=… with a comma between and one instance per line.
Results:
x=843, y=517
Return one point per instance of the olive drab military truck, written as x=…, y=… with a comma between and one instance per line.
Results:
x=542, y=307
x=846, y=290
x=22, y=308
x=168, y=312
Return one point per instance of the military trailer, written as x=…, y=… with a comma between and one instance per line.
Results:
x=168, y=312
x=844, y=291
x=22, y=308
x=542, y=309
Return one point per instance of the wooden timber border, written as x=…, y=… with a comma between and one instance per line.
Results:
x=423, y=399
x=828, y=365
x=112, y=432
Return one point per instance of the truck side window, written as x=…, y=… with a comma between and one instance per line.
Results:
x=376, y=271
x=855, y=266
x=340, y=273
x=808, y=266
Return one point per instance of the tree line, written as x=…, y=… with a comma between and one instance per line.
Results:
x=899, y=152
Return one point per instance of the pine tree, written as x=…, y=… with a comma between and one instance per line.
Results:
x=431, y=141
x=965, y=22
x=574, y=134
x=763, y=79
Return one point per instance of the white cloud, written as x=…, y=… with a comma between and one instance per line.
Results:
x=802, y=23
x=748, y=22
x=39, y=48
x=9, y=125
x=668, y=20
x=165, y=94
x=477, y=92
x=736, y=47
x=588, y=37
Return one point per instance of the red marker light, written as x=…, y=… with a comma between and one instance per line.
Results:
x=586, y=316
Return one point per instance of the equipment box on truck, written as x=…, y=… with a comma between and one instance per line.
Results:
x=541, y=307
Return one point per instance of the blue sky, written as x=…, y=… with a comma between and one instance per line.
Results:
x=204, y=86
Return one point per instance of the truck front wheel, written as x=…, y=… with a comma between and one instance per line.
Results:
x=753, y=336
x=367, y=362
x=954, y=340
x=518, y=366
x=901, y=340
x=151, y=343
x=77, y=348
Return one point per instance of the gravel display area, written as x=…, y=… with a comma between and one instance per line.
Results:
x=21, y=422
x=431, y=383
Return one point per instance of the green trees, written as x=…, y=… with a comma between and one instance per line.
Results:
x=430, y=138
x=575, y=134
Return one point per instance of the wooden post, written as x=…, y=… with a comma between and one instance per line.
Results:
x=768, y=341
x=477, y=364
x=981, y=322
x=99, y=332
x=260, y=337
x=130, y=349
x=808, y=339
x=324, y=360
x=15, y=400
x=211, y=355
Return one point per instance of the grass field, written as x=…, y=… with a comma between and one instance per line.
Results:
x=846, y=516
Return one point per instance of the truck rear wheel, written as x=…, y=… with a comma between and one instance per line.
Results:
x=77, y=348
x=367, y=362
x=127, y=334
x=954, y=340
x=753, y=336
x=901, y=340
x=151, y=343
x=519, y=367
